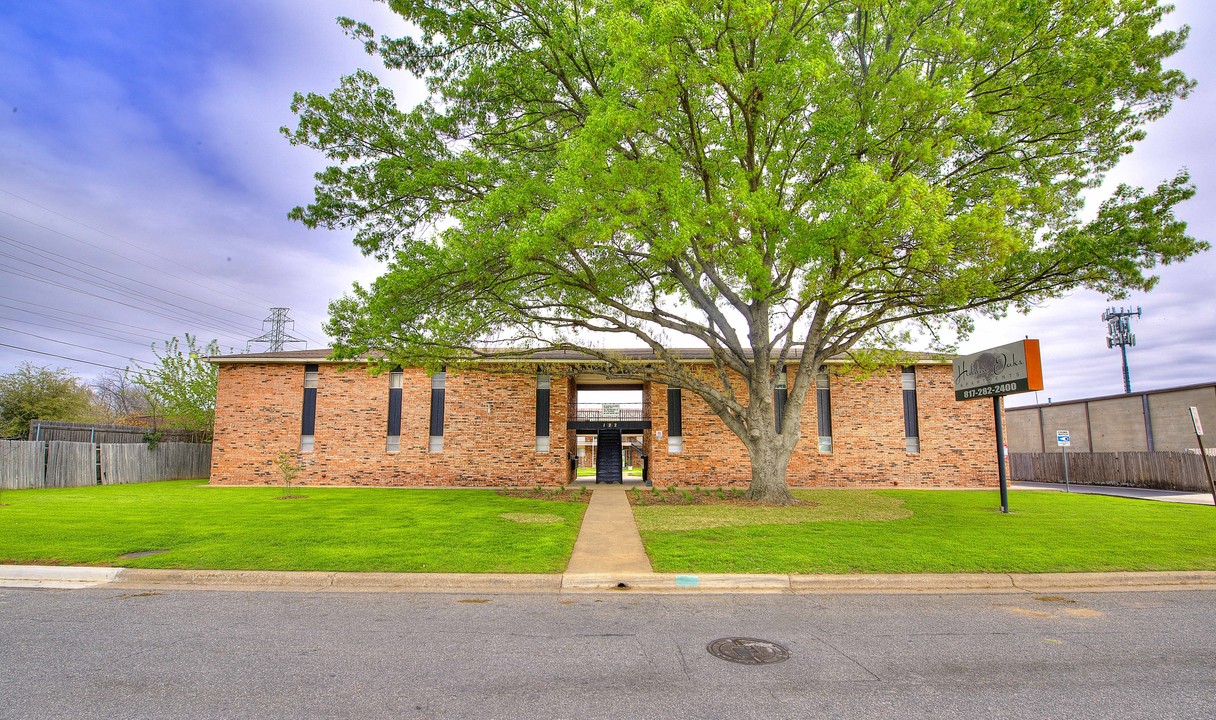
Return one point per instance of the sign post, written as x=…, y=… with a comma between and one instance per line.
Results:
x=994, y=373
x=1064, y=440
x=1203, y=453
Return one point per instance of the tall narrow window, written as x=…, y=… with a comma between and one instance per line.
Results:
x=308, y=417
x=823, y=403
x=438, y=386
x=911, y=426
x=779, y=397
x=542, y=413
x=675, y=421
x=394, y=411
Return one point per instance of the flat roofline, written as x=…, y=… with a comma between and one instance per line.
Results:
x=1116, y=396
x=627, y=355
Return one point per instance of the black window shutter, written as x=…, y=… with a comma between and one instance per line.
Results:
x=542, y=412
x=823, y=398
x=675, y=414
x=911, y=426
x=308, y=418
x=394, y=412
x=437, y=397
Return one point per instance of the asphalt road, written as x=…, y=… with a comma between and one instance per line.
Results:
x=186, y=654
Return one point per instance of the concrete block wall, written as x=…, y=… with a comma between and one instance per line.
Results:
x=1115, y=423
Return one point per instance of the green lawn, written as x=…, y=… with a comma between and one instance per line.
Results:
x=910, y=531
x=336, y=529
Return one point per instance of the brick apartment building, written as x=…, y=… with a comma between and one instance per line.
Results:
x=894, y=427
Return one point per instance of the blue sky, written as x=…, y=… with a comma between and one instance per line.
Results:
x=140, y=150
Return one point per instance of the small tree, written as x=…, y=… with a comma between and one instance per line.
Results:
x=181, y=388
x=289, y=467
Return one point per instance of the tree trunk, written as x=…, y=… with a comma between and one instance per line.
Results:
x=769, y=463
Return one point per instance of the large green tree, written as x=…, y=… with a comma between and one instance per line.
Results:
x=768, y=179
x=41, y=393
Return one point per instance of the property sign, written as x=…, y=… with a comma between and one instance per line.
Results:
x=1004, y=370
x=1195, y=420
x=1063, y=439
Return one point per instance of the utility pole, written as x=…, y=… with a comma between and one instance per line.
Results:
x=1119, y=333
x=277, y=335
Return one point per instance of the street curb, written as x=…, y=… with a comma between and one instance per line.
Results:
x=33, y=576
x=673, y=583
x=903, y=584
x=267, y=580
x=55, y=576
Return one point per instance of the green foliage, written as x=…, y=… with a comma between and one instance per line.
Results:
x=180, y=390
x=40, y=393
x=338, y=529
x=912, y=531
x=288, y=465
x=757, y=177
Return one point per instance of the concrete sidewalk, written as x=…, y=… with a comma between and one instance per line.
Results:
x=1175, y=496
x=608, y=541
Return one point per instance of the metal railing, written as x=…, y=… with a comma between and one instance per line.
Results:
x=608, y=413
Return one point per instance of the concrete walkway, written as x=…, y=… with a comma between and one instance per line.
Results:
x=1175, y=496
x=609, y=541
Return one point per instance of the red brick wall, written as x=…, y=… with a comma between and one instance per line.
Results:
x=489, y=429
x=957, y=445
x=489, y=435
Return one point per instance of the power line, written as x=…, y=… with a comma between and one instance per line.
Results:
x=45, y=253
x=121, y=290
x=62, y=357
x=137, y=247
x=81, y=347
x=150, y=311
x=43, y=310
x=84, y=331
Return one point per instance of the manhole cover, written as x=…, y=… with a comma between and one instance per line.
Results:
x=748, y=651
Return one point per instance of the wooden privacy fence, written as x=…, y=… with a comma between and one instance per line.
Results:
x=1156, y=470
x=54, y=464
x=48, y=430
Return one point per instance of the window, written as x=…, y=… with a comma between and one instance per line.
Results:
x=394, y=411
x=823, y=403
x=542, y=413
x=911, y=426
x=675, y=421
x=779, y=396
x=438, y=387
x=308, y=416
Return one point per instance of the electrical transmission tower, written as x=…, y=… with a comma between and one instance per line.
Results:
x=277, y=335
x=1119, y=333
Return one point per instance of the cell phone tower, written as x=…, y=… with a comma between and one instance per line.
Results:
x=1119, y=333
x=277, y=335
